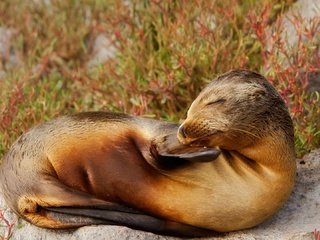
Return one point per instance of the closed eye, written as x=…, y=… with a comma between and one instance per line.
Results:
x=219, y=101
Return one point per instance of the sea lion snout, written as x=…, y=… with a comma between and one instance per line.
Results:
x=184, y=136
x=182, y=132
x=188, y=134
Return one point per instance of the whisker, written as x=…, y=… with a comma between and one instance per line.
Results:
x=215, y=126
x=244, y=131
x=247, y=125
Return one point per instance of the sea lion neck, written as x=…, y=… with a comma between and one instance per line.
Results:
x=272, y=151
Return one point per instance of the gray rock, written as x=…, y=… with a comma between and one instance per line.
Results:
x=314, y=82
x=103, y=50
x=307, y=9
x=296, y=220
x=8, y=56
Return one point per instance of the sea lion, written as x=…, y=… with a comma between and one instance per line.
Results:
x=229, y=166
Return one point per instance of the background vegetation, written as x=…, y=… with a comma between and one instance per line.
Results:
x=165, y=53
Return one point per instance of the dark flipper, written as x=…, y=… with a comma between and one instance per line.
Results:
x=199, y=155
x=169, y=148
x=134, y=220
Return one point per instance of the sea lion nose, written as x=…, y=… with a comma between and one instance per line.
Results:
x=182, y=132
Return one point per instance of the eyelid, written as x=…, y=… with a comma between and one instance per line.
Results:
x=218, y=101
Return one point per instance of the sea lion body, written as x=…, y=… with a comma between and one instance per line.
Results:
x=94, y=159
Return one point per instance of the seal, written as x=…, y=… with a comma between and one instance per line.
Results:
x=215, y=172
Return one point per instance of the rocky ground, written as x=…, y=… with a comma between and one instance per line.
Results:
x=295, y=221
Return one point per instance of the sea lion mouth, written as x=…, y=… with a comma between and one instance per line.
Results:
x=203, y=141
x=197, y=141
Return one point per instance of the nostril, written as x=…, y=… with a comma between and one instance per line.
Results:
x=182, y=132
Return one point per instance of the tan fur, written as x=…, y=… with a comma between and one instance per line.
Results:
x=90, y=160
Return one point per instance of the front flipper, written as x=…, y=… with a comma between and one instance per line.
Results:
x=136, y=220
x=170, y=148
x=196, y=154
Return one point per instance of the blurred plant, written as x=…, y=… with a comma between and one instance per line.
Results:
x=289, y=66
x=316, y=234
x=4, y=222
x=166, y=52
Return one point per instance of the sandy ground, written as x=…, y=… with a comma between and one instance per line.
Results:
x=295, y=221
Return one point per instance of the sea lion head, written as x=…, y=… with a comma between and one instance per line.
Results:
x=234, y=111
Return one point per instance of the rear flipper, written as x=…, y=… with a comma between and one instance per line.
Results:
x=135, y=220
x=63, y=207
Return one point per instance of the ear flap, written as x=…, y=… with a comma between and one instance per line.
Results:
x=259, y=92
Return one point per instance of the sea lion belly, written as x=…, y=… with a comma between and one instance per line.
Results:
x=232, y=193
